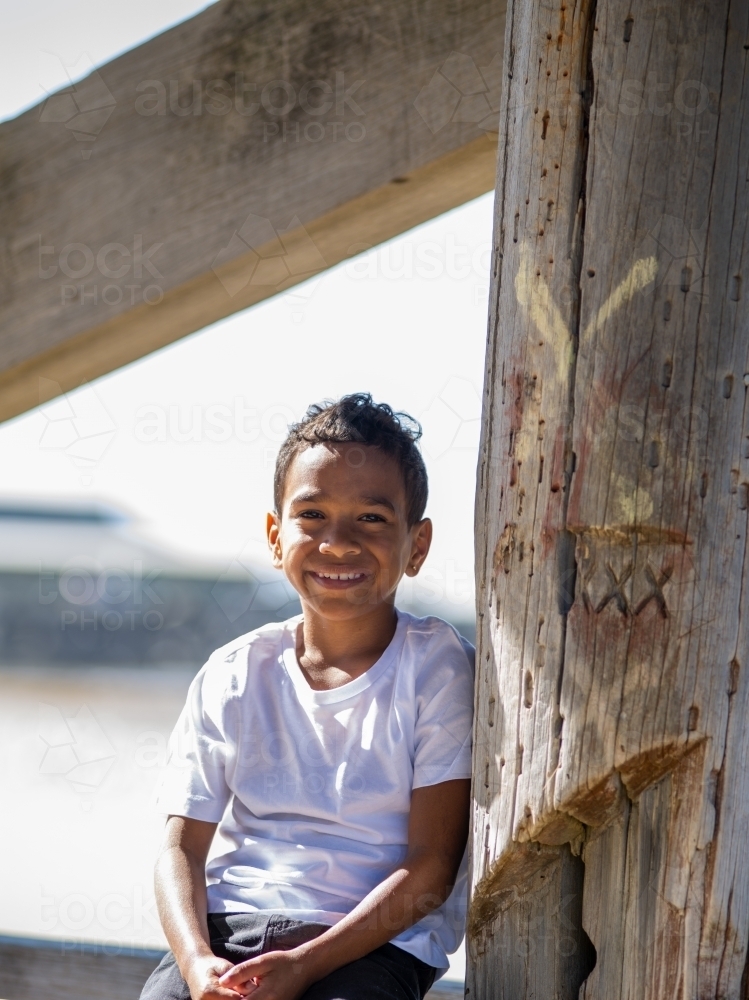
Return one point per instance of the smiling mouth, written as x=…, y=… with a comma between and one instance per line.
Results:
x=328, y=579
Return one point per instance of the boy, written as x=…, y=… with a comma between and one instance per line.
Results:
x=332, y=751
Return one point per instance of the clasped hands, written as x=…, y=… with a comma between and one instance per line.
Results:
x=276, y=975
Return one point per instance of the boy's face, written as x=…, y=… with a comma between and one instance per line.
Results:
x=343, y=538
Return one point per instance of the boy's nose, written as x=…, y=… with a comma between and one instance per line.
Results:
x=339, y=544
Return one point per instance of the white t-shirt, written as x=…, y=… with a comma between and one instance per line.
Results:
x=311, y=789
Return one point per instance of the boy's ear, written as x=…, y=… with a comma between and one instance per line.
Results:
x=420, y=545
x=273, y=532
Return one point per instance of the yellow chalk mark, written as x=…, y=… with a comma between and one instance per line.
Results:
x=641, y=274
x=533, y=293
x=535, y=296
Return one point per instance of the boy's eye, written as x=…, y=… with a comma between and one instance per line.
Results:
x=371, y=517
x=310, y=513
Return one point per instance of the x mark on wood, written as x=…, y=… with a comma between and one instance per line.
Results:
x=616, y=593
x=656, y=594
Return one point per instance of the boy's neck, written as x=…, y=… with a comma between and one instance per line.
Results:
x=332, y=652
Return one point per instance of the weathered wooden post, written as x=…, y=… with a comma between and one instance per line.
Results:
x=611, y=823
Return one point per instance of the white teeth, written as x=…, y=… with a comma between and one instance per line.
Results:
x=341, y=576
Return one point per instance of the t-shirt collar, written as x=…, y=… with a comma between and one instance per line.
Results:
x=352, y=688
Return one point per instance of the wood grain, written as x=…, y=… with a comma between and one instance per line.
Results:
x=70, y=971
x=612, y=505
x=227, y=159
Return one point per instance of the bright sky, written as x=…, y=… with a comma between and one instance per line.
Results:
x=186, y=438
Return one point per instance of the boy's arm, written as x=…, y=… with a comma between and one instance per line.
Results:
x=437, y=834
x=182, y=904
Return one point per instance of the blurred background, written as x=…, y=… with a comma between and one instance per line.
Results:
x=132, y=512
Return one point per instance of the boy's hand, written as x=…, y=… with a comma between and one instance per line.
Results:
x=277, y=975
x=203, y=979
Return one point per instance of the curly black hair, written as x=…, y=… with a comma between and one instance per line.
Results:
x=358, y=418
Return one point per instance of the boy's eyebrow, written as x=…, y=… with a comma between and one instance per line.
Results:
x=309, y=497
x=377, y=501
x=371, y=501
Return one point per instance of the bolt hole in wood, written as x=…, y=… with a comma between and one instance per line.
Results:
x=686, y=278
x=733, y=677
x=667, y=310
x=727, y=386
x=668, y=370
x=528, y=690
x=628, y=29
x=736, y=288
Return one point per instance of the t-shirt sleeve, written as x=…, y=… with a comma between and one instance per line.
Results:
x=444, y=718
x=201, y=749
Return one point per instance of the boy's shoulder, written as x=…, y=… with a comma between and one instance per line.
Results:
x=263, y=641
x=437, y=635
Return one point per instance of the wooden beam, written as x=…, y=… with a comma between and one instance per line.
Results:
x=225, y=160
x=74, y=970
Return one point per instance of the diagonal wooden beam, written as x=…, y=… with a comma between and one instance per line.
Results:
x=225, y=160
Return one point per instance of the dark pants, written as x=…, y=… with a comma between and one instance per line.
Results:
x=387, y=973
